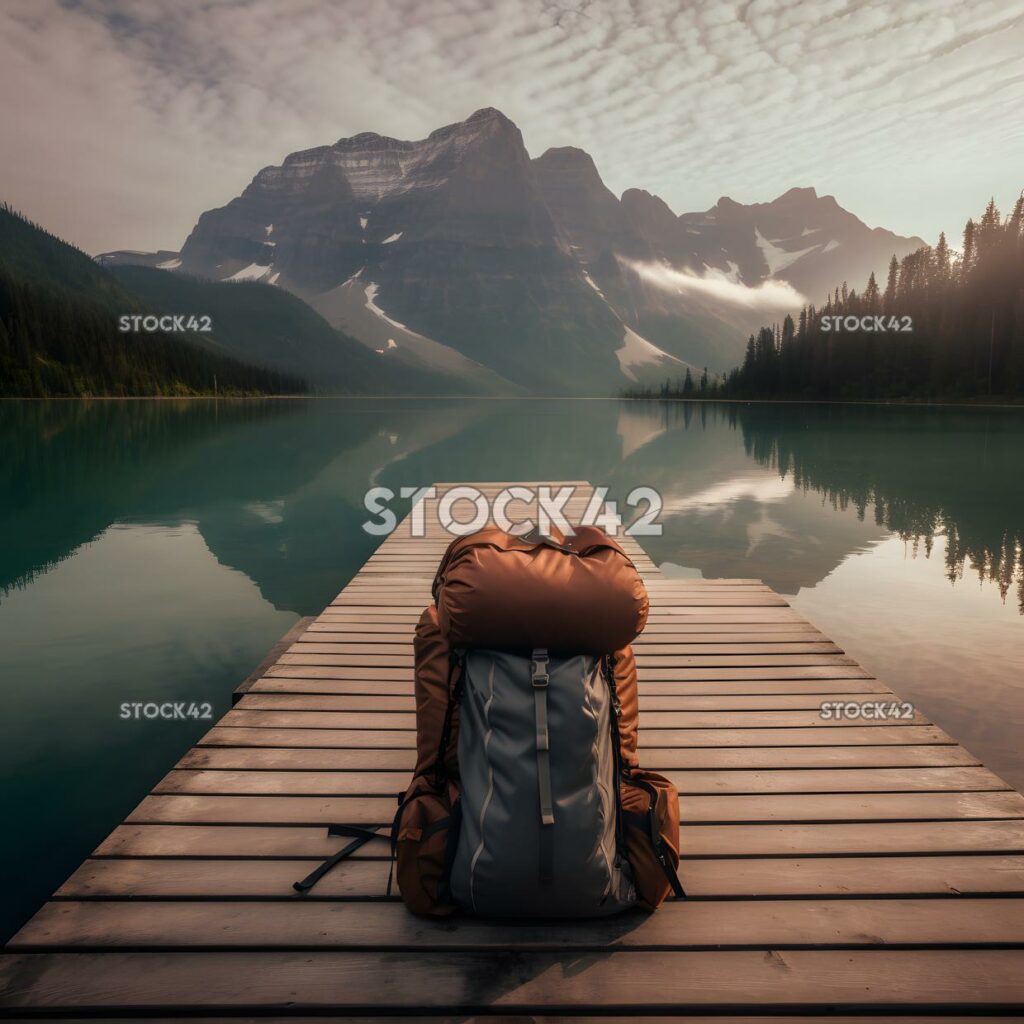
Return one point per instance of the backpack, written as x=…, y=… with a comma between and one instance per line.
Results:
x=527, y=798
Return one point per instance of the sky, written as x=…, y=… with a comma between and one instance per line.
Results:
x=122, y=121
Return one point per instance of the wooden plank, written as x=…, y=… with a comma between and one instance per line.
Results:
x=864, y=979
x=379, y=783
x=712, y=878
x=860, y=687
x=694, y=810
x=650, y=702
x=666, y=720
x=325, y=632
x=402, y=653
x=737, y=924
x=651, y=675
x=663, y=759
x=649, y=663
x=396, y=739
x=727, y=841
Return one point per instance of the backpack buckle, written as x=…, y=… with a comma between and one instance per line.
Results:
x=539, y=667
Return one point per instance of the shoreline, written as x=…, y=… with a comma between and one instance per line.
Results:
x=882, y=403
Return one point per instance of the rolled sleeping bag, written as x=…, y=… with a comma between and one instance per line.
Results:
x=575, y=595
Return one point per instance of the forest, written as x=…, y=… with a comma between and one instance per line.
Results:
x=946, y=325
x=59, y=333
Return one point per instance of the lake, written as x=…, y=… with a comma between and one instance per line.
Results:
x=155, y=550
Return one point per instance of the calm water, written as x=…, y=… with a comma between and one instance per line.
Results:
x=156, y=550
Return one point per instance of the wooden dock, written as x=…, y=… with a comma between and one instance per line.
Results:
x=846, y=870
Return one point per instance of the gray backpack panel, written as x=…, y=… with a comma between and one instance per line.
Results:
x=538, y=830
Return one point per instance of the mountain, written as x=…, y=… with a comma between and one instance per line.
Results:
x=60, y=333
x=442, y=249
x=271, y=327
x=698, y=284
x=460, y=253
x=805, y=239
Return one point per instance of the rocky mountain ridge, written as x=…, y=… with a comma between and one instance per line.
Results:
x=461, y=250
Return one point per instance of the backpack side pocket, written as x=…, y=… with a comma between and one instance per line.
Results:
x=421, y=838
x=650, y=807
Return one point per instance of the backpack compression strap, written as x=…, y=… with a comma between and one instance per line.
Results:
x=360, y=837
x=539, y=678
x=650, y=821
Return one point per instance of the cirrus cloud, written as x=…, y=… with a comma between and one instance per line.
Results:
x=124, y=118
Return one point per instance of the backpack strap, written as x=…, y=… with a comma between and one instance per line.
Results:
x=614, y=716
x=361, y=836
x=539, y=679
x=456, y=660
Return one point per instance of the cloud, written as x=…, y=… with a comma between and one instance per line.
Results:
x=769, y=296
x=131, y=116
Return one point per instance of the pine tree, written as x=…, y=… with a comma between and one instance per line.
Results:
x=889, y=299
x=968, y=257
x=942, y=261
x=871, y=295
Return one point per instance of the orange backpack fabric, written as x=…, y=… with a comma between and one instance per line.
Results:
x=548, y=586
x=420, y=834
x=580, y=595
x=650, y=805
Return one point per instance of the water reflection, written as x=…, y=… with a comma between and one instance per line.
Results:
x=782, y=493
x=920, y=473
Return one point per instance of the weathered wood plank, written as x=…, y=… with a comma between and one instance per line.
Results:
x=380, y=783
x=726, y=841
x=650, y=702
x=651, y=675
x=666, y=720
x=402, y=653
x=471, y=981
x=723, y=737
x=364, y=878
x=659, y=759
x=694, y=810
x=779, y=924
x=859, y=687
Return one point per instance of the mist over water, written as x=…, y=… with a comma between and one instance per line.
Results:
x=155, y=550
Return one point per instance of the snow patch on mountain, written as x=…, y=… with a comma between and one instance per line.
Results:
x=593, y=284
x=371, y=294
x=778, y=259
x=392, y=238
x=169, y=265
x=253, y=272
x=638, y=351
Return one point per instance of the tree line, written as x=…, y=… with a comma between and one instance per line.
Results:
x=59, y=333
x=945, y=325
